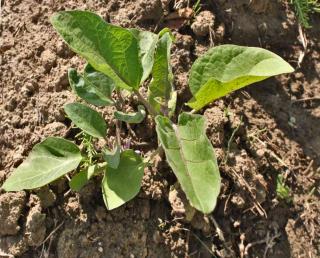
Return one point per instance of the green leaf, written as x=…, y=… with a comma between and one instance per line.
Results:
x=82, y=178
x=161, y=88
x=131, y=118
x=122, y=184
x=227, y=68
x=94, y=87
x=192, y=159
x=87, y=119
x=147, y=44
x=48, y=160
x=112, y=157
x=283, y=191
x=111, y=50
x=172, y=103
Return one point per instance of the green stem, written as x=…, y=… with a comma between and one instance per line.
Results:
x=150, y=108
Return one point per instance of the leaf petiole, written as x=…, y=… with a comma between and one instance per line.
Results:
x=150, y=109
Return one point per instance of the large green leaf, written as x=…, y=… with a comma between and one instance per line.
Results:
x=111, y=50
x=131, y=118
x=160, y=89
x=226, y=68
x=94, y=87
x=48, y=160
x=86, y=119
x=192, y=159
x=123, y=183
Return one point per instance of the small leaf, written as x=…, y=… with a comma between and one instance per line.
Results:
x=131, y=118
x=227, y=68
x=48, y=160
x=87, y=119
x=123, y=55
x=94, y=87
x=112, y=157
x=122, y=184
x=161, y=88
x=78, y=181
x=192, y=159
x=90, y=171
x=283, y=191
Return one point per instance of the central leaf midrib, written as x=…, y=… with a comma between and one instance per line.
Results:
x=176, y=131
x=97, y=89
x=115, y=71
x=65, y=162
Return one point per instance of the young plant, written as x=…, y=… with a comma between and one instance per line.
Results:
x=120, y=60
x=304, y=9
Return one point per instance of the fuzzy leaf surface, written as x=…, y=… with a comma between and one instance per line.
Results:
x=112, y=157
x=87, y=119
x=131, y=118
x=94, y=87
x=147, y=44
x=227, y=68
x=123, y=183
x=160, y=89
x=110, y=49
x=48, y=160
x=192, y=159
x=80, y=179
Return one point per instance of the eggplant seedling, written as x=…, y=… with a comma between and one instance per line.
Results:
x=120, y=60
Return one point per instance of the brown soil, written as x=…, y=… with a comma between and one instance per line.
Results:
x=275, y=127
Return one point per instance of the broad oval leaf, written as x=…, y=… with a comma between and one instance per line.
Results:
x=123, y=183
x=161, y=88
x=87, y=119
x=94, y=87
x=110, y=49
x=131, y=118
x=48, y=160
x=227, y=68
x=192, y=159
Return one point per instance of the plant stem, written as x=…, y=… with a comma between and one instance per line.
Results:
x=158, y=151
x=118, y=123
x=151, y=110
x=225, y=160
x=118, y=130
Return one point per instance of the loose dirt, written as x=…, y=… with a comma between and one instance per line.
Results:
x=258, y=133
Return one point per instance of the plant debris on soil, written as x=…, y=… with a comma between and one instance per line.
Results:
x=259, y=134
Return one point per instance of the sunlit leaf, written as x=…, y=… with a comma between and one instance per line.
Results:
x=161, y=88
x=147, y=43
x=112, y=157
x=80, y=179
x=192, y=159
x=87, y=119
x=112, y=50
x=227, y=68
x=48, y=160
x=123, y=183
x=131, y=118
x=94, y=87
